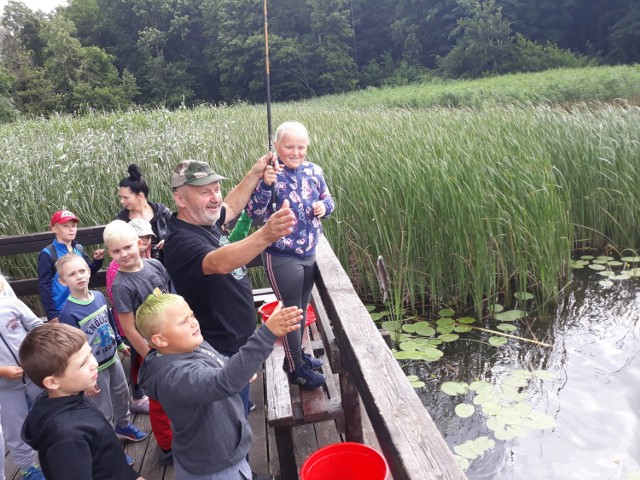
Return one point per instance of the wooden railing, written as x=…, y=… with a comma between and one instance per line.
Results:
x=410, y=441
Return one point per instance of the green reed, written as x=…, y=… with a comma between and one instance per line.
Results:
x=463, y=204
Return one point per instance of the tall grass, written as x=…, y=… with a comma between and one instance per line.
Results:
x=568, y=85
x=462, y=203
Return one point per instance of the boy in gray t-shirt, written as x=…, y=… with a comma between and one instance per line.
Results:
x=137, y=278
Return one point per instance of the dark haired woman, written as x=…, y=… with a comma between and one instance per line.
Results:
x=134, y=193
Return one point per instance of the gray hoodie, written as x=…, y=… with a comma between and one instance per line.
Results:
x=16, y=319
x=199, y=391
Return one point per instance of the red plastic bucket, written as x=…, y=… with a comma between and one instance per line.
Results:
x=345, y=461
x=267, y=309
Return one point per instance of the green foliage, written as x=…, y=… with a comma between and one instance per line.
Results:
x=484, y=43
x=7, y=110
x=529, y=56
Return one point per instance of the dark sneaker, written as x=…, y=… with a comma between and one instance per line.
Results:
x=165, y=457
x=306, y=378
x=310, y=361
x=130, y=432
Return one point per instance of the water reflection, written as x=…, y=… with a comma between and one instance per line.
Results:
x=594, y=398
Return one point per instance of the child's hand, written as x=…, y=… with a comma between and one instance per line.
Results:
x=280, y=224
x=98, y=254
x=284, y=320
x=93, y=391
x=319, y=209
x=11, y=372
x=126, y=351
x=269, y=177
x=160, y=244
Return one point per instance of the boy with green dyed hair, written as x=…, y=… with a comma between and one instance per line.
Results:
x=199, y=388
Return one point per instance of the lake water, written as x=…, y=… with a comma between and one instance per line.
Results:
x=594, y=397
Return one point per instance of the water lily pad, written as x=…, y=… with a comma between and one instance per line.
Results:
x=523, y=296
x=606, y=258
x=587, y=257
x=425, y=329
x=615, y=263
x=494, y=424
x=491, y=408
x=600, y=261
x=462, y=462
x=635, y=259
x=496, y=308
x=523, y=408
x=432, y=354
x=464, y=410
x=412, y=378
x=576, y=265
x=634, y=272
x=408, y=346
x=595, y=266
x=510, y=315
x=497, y=341
x=606, y=283
x=466, y=320
x=449, y=337
x=375, y=316
x=447, y=312
x=506, y=327
x=607, y=273
x=482, y=444
x=445, y=322
x=444, y=330
x=462, y=329
x=539, y=421
x=417, y=384
x=480, y=385
x=392, y=326
x=465, y=450
x=485, y=397
x=454, y=388
x=622, y=276
x=409, y=327
x=504, y=434
x=370, y=308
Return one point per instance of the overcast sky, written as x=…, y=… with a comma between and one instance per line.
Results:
x=44, y=5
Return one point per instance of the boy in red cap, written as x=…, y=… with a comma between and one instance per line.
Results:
x=53, y=295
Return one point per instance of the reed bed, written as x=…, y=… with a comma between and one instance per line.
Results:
x=463, y=204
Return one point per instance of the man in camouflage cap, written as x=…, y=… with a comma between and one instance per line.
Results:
x=214, y=280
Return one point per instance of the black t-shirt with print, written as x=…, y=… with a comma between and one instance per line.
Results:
x=222, y=303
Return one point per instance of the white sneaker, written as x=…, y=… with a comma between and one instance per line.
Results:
x=139, y=406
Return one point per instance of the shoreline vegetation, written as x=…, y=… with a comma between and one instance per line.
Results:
x=463, y=203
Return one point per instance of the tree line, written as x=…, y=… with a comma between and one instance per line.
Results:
x=112, y=54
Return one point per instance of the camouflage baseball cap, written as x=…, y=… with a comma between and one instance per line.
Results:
x=193, y=172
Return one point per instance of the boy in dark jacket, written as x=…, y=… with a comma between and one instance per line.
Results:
x=199, y=388
x=53, y=295
x=73, y=439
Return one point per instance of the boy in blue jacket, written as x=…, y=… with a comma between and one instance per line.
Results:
x=199, y=388
x=53, y=295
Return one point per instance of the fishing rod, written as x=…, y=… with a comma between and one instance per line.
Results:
x=274, y=195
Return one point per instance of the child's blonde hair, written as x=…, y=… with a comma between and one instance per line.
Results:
x=68, y=258
x=291, y=127
x=118, y=231
x=150, y=315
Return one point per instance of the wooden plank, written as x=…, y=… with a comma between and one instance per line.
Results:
x=323, y=325
x=411, y=443
x=279, y=407
x=305, y=444
x=284, y=444
x=34, y=242
x=314, y=403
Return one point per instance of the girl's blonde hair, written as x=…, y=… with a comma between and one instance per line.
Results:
x=5, y=288
x=291, y=127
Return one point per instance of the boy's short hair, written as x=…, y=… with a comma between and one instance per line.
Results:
x=68, y=258
x=46, y=350
x=150, y=315
x=118, y=231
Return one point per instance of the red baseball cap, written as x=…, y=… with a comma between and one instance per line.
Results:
x=63, y=216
